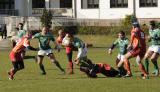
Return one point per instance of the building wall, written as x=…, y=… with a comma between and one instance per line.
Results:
x=114, y=13
x=86, y=13
x=55, y=3
x=105, y=12
x=152, y=12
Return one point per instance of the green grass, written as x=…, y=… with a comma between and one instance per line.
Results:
x=30, y=80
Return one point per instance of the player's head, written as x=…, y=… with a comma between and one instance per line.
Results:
x=45, y=30
x=69, y=36
x=152, y=24
x=20, y=26
x=135, y=25
x=121, y=35
x=61, y=33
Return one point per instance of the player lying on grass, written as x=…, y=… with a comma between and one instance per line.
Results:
x=92, y=69
x=15, y=54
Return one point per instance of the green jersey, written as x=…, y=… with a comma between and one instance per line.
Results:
x=78, y=43
x=122, y=45
x=154, y=34
x=44, y=40
x=21, y=33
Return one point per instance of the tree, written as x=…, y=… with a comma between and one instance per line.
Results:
x=46, y=18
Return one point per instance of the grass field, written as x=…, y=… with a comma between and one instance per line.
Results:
x=30, y=80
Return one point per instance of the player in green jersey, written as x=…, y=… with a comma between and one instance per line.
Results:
x=122, y=43
x=154, y=48
x=44, y=38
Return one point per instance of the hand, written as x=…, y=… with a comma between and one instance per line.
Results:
x=76, y=61
x=129, y=47
x=110, y=51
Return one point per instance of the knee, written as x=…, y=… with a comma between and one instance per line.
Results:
x=54, y=61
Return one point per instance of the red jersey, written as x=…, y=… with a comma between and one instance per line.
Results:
x=21, y=45
x=138, y=38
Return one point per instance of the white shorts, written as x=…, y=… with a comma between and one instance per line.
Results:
x=154, y=48
x=44, y=52
x=120, y=57
x=82, y=52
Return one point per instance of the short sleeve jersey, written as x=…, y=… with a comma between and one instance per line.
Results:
x=78, y=43
x=122, y=45
x=44, y=40
x=21, y=45
x=154, y=34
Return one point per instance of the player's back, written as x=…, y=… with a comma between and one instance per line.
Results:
x=138, y=38
x=20, y=46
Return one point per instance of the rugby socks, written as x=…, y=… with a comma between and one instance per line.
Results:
x=156, y=69
x=41, y=66
x=155, y=65
x=70, y=64
x=12, y=72
x=147, y=65
x=127, y=67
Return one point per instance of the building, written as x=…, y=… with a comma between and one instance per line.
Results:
x=34, y=7
x=83, y=9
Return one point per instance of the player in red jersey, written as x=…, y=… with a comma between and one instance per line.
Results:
x=137, y=49
x=69, y=50
x=92, y=69
x=16, y=57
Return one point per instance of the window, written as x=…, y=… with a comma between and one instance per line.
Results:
x=65, y=3
x=38, y=3
x=148, y=3
x=6, y=4
x=89, y=4
x=118, y=3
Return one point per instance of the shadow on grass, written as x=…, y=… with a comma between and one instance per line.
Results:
x=29, y=57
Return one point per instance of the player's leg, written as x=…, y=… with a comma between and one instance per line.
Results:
x=41, y=66
x=54, y=61
x=127, y=64
x=13, y=70
x=20, y=65
x=69, y=53
x=154, y=58
x=146, y=60
x=13, y=57
x=141, y=66
x=120, y=65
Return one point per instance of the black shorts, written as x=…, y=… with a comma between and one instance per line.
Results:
x=18, y=65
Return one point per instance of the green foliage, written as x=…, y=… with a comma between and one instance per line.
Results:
x=127, y=21
x=46, y=18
